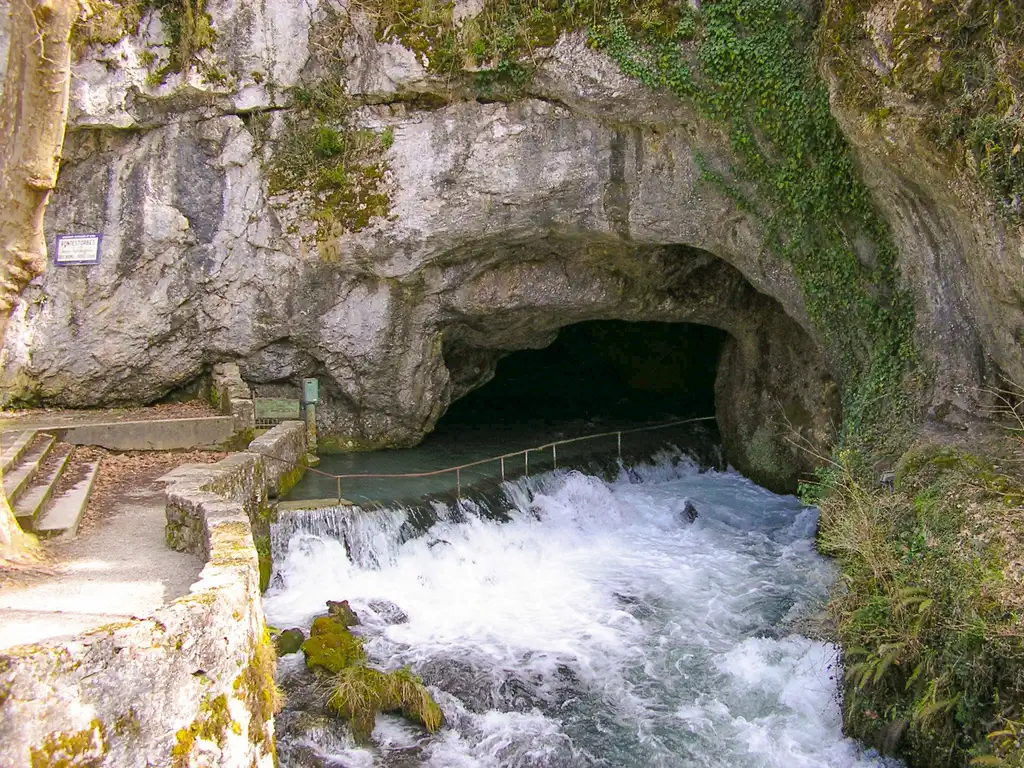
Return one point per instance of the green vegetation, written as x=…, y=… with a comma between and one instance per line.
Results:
x=212, y=724
x=66, y=750
x=929, y=614
x=358, y=692
x=963, y=66
x=187, y=24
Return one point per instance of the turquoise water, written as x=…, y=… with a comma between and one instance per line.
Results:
x=465, y=442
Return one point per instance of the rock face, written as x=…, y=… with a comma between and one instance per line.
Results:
x=581, y=200
x=944, y=165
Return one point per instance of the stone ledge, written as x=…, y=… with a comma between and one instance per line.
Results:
x=155, y=435
x=191, y=685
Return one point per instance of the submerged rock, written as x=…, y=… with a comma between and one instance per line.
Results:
x=388, y=612
x=289, y=641
x=687, y=512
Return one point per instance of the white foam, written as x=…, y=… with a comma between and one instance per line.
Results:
x=626, y=634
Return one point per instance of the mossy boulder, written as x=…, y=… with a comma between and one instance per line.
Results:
x=342, y=613
x=331, y=647
x=358, y=692
x=289, y=641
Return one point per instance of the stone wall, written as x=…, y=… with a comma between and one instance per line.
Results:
x=232, y=396
x=190, y=686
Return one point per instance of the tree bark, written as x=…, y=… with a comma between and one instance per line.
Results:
x=33, y=116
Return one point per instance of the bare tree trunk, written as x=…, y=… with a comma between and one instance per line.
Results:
x=33, y=115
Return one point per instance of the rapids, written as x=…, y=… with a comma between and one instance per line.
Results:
x=579, y=622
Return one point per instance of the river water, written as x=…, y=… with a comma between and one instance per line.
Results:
x=578, y=621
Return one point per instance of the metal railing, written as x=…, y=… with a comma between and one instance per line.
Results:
x=525, y=453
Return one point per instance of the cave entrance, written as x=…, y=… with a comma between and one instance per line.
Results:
x=600, y=372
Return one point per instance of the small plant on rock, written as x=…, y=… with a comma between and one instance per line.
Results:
x=356, y=691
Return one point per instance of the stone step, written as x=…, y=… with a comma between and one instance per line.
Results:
x=14, y=445
x=18, y=479
x=31, y=504
x=64, y=513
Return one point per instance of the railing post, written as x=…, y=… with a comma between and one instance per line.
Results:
x=526, y=453
x=458, y=483
x=554, y=455
x=620, y=444
x=503, y=469
x=338, y=480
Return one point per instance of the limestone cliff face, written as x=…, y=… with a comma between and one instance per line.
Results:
x=481, y=227
x=931, y=100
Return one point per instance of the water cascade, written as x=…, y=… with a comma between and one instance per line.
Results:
x=577, y=621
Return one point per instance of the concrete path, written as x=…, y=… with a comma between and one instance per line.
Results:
x=116, y=569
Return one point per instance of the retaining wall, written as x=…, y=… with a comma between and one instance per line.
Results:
x=154, y=435
x=190, y=686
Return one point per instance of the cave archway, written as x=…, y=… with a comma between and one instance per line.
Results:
x=771, y=389
x=600, y=370
x=394, y=356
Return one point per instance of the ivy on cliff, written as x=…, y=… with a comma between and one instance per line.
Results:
x=748, y=66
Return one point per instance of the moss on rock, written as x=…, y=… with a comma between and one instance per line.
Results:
x=289, y=641
x=257, y=688
x=358, y=692
x=266, y=560
x=78, y=749
x=212, y=724
x=331, y=647
x=342, y=613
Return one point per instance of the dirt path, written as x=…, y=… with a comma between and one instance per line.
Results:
x=117, y=568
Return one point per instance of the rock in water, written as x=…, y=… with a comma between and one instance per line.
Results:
x=342, y=613
x=388, y=612
x=289, y=641
x=688, y=513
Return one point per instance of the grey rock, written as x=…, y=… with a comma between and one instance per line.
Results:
x=508, y=222
x=688, y=513
x=388, y=612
